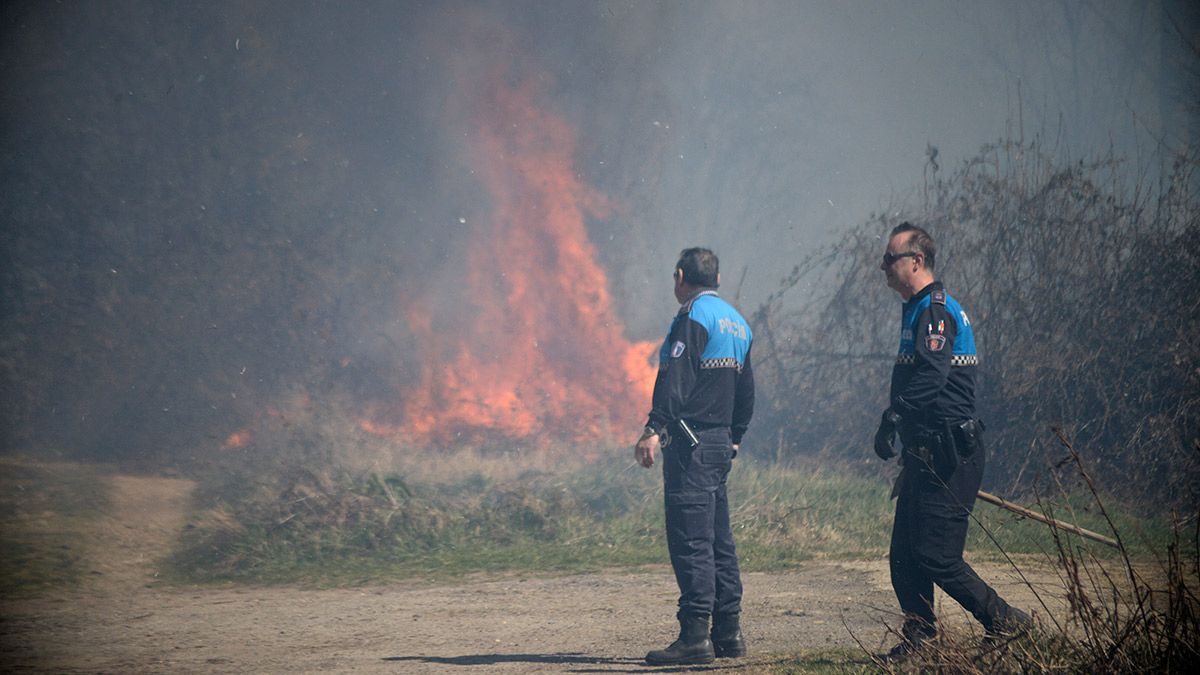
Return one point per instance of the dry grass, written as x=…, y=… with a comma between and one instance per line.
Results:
x=333, y=505
x=46, y=511
x=1124, y=614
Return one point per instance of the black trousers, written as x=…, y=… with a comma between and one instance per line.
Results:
x=699, y=538
x=930, y=530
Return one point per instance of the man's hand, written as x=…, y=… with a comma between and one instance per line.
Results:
x=644, y=450
x=885, y=437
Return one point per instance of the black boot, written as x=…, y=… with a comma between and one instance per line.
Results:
x=1013, y=624
x=913, y=634
x=727, y=637
x=692, y=647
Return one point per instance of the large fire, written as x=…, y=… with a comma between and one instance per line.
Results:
x=543, y=357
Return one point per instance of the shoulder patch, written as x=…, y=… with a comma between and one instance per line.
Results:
x=938, y=297
x=677, y=350
x=935, y=336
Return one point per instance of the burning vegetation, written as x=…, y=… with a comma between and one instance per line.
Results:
x=536, y=353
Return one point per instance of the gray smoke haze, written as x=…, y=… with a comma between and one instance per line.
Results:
x=208, y=206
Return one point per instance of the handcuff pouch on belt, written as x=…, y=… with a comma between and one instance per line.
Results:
x=967, y=436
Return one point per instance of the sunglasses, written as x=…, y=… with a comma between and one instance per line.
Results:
x=889, y=257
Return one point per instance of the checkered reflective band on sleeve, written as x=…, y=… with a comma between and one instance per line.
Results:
x=955, y=360
x=727, y=362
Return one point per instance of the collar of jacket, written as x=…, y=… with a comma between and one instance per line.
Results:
x=686, y=307
x=933, y=286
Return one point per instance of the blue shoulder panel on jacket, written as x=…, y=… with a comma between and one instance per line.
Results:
x=964, y=342
x=729, y=335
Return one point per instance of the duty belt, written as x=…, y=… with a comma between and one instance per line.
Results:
x=920, y=452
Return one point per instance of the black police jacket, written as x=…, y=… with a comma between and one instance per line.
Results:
x=704, y=371
x=933, y=380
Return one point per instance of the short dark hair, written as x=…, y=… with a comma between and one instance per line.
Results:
x=699, y=267
x=919, y=241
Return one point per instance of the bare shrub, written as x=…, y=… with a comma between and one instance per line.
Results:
x=1081, y=281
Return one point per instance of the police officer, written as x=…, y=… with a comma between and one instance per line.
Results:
x=703, y=401
x=932, y=409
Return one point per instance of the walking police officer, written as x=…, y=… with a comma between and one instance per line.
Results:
x=703, y=401
x=932, y=409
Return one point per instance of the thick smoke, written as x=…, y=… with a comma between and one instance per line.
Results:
x=212, y=208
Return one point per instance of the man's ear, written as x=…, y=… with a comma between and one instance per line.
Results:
x=718, y=278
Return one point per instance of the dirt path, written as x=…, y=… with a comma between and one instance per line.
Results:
x=123, y=621
x=144, y=518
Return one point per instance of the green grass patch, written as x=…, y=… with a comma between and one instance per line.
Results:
x=337, y=527
x=1142, y=537
x=46, y=511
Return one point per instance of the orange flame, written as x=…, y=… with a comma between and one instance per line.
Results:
x=543, y=357
x=237, y=439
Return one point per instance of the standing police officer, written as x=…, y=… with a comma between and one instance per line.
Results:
x=703, y=401
x=932, y=408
